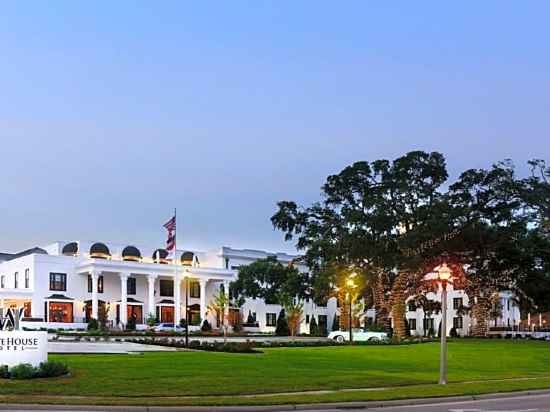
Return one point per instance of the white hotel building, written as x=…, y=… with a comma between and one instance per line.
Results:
x=64, y=284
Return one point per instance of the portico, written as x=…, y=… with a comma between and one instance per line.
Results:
x=160, y=285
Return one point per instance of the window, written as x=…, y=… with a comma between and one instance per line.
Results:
x=166, y=287
x=412, y=306
x=307, y=319
x=457, y=303
x=227, y=263
x=458, y=322
x=195, y=289
x=412, y=324
x=16, y=280
x=27, y=279
x=58, y=282
x=270, y=319
x=131, y=286
x=99, y=284
x=2, y=281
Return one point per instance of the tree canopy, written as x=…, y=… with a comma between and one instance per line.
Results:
x=386, y=218
x=269, y=280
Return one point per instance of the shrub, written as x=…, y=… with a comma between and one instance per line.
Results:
x=23, y=371
x=183, y=323
x=52, y=369
x=206, y=326
x=93, y=324
x=282, y=325
x=4, y=372
x=250, y=319
x=151, y=320
x=453, y=333
x=131, y=325
x=313, y=328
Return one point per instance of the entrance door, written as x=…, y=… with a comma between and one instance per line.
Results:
x=60, y=312
x=167, y=314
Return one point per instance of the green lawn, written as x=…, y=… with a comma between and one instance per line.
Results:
x=179, y=374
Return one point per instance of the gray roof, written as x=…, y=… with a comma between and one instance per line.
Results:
x=11, y=256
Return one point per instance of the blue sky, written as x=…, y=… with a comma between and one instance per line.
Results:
x=114, y=113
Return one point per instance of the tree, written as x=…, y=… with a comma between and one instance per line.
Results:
x=294, y=309
x=268, y=279
x=371, y=216
x=387, y=219
x=218, y=306
x=282, y=325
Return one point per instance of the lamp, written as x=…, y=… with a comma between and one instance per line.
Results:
x=351, y=285
x=444, y=275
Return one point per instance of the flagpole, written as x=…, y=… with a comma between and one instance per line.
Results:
x=175, y=262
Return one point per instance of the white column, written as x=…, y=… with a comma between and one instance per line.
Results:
x=122, y=310
x=202, y=283
x=177, y=300
x=151, y=307
x=95, y=305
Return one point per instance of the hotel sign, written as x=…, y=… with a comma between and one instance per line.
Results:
x=17, y=346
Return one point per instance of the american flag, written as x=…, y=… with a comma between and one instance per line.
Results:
x=170, y=226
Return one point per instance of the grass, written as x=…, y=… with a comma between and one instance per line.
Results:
x=195, y=378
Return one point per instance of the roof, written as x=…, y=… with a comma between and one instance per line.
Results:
x=11, y=256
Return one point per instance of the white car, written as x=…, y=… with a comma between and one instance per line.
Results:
x=168, y=327
x=358, y=335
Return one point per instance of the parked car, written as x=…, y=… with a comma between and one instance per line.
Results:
x=168, y=327
x=359, y=335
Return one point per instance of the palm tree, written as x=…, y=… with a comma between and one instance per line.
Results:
x=294, y=312
x=218, y=306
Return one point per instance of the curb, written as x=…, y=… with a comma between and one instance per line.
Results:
x=278, y=408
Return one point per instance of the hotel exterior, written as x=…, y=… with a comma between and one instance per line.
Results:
x=65, y=284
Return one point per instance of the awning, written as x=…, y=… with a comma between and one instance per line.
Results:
x=166, y=302
x=56, y=296
x=130, y=301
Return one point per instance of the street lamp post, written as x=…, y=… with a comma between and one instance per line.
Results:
x=351, y=285
x=443, y=276
x=187, y=311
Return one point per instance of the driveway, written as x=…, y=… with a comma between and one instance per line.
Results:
x=103, y=347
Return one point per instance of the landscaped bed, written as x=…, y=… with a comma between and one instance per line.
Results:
x=160, y=378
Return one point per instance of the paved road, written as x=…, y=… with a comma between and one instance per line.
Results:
x=530, y=403
x=526, y=403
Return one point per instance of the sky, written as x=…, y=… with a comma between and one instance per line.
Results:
x=112, y=114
